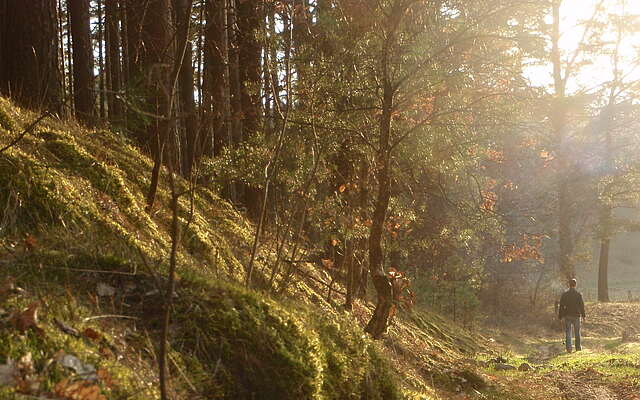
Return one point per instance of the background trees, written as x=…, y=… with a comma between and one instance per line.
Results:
x=369, y=137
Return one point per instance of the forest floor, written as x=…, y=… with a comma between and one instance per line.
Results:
x=607, y=368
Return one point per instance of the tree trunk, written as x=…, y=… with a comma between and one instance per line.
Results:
x=215, y=82
x=157, y=47
x=235, y=81
x=82, y=60
x=186, y=88
x=558, y=122
x=113, y=65
x=379, y=321
x=29, y=70
x=603, y=271
x=249, y=17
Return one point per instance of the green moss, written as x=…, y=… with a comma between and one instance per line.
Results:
x=261, y=349
x=6, y=122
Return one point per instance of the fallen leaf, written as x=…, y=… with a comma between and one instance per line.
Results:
x=327, y=263
x=79, y=390
x=92, y=334
x=30, y=242
x=105, y=377
x=28, y=319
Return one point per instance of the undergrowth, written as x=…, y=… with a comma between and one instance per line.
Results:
x=72, y=219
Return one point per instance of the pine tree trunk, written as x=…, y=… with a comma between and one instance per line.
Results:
x=215, y=85
x=155, y=62
x=558, y=122
x=603, y=271
x=82, y=60
x=29, y=70
x=114, y=66
x=249, y=14
x=187, y=102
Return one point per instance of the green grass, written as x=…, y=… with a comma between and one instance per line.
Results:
x=72, y=203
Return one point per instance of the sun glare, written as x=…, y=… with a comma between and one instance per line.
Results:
x=598, y=68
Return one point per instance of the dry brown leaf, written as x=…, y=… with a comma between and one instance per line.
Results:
x=28, y=319
x=327, y=263
x=79, y=390
x=92, y=334
x=105, y=377
x=30, y=242
x=105, y=352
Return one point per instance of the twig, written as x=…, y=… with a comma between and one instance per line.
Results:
x=109, y=316
x=25, y=132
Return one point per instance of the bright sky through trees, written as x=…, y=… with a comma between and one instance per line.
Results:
x=574, y=15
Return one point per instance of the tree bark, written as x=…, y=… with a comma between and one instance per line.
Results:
x=113, y=64
x=215, y=83
x=378, y=323
x=29, y=70
x=558, y=122
x=82, y=60
x=186, y=87
x=249, y=19
x=603, y=271
x=157, y=46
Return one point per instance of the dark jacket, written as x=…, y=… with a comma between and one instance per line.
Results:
x=571, y=304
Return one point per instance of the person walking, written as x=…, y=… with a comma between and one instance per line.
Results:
x=571, y=309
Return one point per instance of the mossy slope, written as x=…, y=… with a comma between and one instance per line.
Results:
x=71, y=203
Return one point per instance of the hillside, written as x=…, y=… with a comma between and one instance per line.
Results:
x=83, y=268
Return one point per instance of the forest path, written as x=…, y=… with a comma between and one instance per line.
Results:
x=608, y=367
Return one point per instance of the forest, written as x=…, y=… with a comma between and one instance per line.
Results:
x=319, y=199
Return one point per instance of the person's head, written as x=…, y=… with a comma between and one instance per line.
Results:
x=573, y=283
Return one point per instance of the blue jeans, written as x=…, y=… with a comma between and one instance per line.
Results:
x=575, y=323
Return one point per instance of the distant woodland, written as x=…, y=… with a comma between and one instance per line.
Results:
x=453, y=153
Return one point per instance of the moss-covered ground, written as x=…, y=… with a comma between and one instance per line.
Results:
x=77, y=246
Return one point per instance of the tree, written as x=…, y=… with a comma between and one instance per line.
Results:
x=82, y=60
x=215, y=103
x=187, y=103
x=114, y=61
x=156, y=54
x=28, y=53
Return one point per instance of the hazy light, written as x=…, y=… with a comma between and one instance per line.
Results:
x=590, y=77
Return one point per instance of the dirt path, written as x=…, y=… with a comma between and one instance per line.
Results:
x=608, y=368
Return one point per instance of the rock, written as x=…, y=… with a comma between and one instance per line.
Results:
x=504, y=367
x=8, y=374
x=525, y=367
x=104, y=290
x=86, y=371
x=473, y=379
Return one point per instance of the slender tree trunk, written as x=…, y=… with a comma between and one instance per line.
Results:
x=155, y=62
x=558, y=122
x=82, y=60
x=102, y=106
x=29, y=46
x=215, y=82
x=603, y=270
x=235, y=82
x=186, y=88
x=249, y=49
x=378, y=323
x=114, y=66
